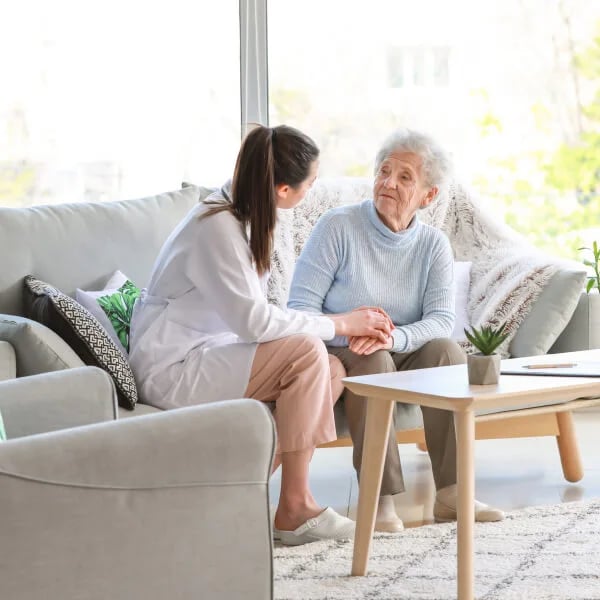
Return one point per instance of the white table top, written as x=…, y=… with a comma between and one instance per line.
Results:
x=448, y=387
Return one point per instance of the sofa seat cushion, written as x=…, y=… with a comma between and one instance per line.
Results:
x=82, y=331
x=140, y=410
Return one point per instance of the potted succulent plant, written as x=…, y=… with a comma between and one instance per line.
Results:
x=483, y=367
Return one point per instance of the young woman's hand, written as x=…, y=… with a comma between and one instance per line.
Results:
x=365, y=321
x=367, y=345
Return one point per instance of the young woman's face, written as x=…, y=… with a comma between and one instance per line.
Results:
x=289, y=197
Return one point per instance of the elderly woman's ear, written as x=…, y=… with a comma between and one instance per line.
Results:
x=430, y=196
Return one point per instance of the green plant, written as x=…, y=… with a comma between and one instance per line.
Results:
x=486, y=339
x=593, y=281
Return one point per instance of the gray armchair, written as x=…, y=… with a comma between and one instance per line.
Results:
x=169, y=505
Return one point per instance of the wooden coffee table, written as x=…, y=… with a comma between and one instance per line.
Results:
x=448, y=388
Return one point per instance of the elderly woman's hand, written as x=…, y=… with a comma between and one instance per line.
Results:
x=367, y=345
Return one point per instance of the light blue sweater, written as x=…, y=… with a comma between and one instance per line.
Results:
x=352, y=259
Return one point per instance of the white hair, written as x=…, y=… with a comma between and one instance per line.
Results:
x=436, y=164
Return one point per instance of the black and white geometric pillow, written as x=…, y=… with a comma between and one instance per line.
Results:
x=83, y=332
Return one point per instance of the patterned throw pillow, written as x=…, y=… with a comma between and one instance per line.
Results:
x=82, y=331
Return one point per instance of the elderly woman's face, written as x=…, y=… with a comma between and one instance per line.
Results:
x=400, y=189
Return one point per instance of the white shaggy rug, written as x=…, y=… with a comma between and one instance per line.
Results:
x=545, y=553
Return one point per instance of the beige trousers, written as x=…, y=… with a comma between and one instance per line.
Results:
x=438, y=424
x=302, y=382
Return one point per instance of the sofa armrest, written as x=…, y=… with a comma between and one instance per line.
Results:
x=58, y=400
x=156, y=506
x=583, y=330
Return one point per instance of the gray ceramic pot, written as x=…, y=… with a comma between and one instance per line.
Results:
x=483, y=369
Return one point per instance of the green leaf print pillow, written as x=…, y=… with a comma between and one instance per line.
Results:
x=118, y=307
x=113, y=306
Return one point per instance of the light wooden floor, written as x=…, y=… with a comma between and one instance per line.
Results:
x=510, y=474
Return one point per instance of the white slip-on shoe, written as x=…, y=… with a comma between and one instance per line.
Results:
x=442, y=513
x=328, y=525
x=444, y=508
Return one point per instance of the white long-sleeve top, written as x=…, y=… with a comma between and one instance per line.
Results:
x=195, y=328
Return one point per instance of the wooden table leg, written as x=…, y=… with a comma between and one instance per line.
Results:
x=465, y=459
x=379, y=418
x=568, y=447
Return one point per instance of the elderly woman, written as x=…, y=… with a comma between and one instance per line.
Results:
x=378, y=253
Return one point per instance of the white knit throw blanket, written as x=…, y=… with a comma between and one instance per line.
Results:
x=507, y=274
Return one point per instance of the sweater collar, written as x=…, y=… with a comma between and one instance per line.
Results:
x=401, y=237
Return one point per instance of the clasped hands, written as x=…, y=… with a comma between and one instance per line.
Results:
x=380, y=339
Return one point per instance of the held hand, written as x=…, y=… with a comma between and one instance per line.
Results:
x=364, y=322
x=367, y=345
x=379, y=310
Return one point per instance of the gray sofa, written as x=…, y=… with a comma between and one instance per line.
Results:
x=81, y=245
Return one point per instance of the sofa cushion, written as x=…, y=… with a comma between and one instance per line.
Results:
x=79, y=245
x=550, y=313
x=37, y=348
x=82, y=331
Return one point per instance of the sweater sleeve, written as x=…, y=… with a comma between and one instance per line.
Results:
x=220, y=264
x=438, y=304
x=315, y=268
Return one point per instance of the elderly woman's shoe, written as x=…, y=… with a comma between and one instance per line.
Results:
x=328, y=525
x=444, y=508
x=387, y=520
x=394, y=526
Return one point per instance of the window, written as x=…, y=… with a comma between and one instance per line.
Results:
x=422, y=66
x=509, y=88
x=117, y=99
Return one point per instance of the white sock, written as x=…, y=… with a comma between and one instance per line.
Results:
x=386, y=510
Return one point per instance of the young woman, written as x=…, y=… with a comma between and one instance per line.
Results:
x=203, y=330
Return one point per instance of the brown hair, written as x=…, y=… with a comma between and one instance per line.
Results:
x=268, y=157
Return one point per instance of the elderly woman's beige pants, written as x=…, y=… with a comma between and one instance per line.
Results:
x=303, y=382
x=438, y=424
